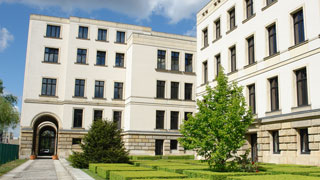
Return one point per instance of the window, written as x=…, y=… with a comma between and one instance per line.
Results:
x=186, y=115
x=218, y=62
x=174, y=61
x=117, y=118
x=83, y=32
x=188, y=62
x=272, y=36
x=118, y=90
x=161, y=59
x=160, y=89
x=79, y=88
x=119, y=60
x=274, y=94
x=173, y=144
x=302, y=87
x=304, y=141
x=51, y=55
x=298, y=27
x=250, y=42
x=218, y=28
x=77, y=118
x=252, y=98
x=102, y=34
x=82, y=56
x=174, y=90
x=270, y=1
x=99, y=89
x=121, y=37
x=48, y=87
x=174, y=120
x=205, y=72
x=187, y=91
x=205, y=37
x=97, y=114
x=276, y=143
x=76, y=141
x=233, y=59
x=160, y=120
x=249, y=6
x=53, y=31
x=232, y=18
x=101, y=58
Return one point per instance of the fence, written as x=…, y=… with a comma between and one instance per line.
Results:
x=8, y=152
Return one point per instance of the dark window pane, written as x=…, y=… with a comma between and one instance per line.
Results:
x=160, y=89
x=118, y=90
x=81, y=56
x=77, y=118
x=250, y=42
x=53, y=31
x=99, y=89
x=161, y=63
x=174, y=90
x=298, y=27
x=186, y=115
x=252, y=98
x=205, y=72
x=274, y=94
x=97, y=114
x=218, y=29
x=117, y=118
x=233, y=59
x=83, y=32
x=188, y=62
x=272, y=40
x=302, y=87
x=304, y=140
x=76, y=141
x=174, y=61
x=276, y=143
x=205, y=37
x=173, y=144
x=51, y=55
x=119, y=60
x=249, y=4
x=79, y=88
x=101, y=57
x=48, y=87
x=102, y=35
x=174, y=120
x=160, y=120
x=232, y=18
x=188, y=91
x=120, y=37
x=218, y=64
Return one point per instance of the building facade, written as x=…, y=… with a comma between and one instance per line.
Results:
x=79, y=70
x=272, y=49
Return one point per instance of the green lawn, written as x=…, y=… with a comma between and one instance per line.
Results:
x=4, y=168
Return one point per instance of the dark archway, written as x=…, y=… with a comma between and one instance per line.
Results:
x=47, y=141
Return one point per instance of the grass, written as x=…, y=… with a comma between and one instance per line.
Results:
x=11, y=165
x=129, y=175
x=275, y=177
x=104, y=172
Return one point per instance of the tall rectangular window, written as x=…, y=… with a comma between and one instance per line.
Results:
x=250, y=42
x=121, y=37
x=77, y=118
x=102, y=34
x=173, y=145
x=205, y=72
x=117, y=118
x=174, y=61
x=51, y=55
x=218, y=28
x=252, y=98
x=53, y=31
x=272, y=36
x=274, y=94
x=298, y=27
x=48, y=87
x=161, y=63
x=187, y=91
x=79, y=88
x=249, y=7
x=186, y=114
x=233, y=58
x=159, y=119
x=160, y=89
x=118, y=90
x=83, y=32
x=304, y=141
x=174, y=90
x=101, y=58
x=302, y=87
x=205, y=37
x=174, y=120
x=232, y=18
x=99, y=89
x=218, y=62
x=119, y=60
x=188, y=62
x=82, y=56
x=276, y=142
x=97, y=114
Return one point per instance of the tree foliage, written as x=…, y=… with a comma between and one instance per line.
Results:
x=218, y=129
x=102, y=144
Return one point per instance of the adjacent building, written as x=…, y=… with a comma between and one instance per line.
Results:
x=272, y=49
x=79, y=70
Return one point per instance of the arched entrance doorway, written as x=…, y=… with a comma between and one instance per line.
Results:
x=45, y=136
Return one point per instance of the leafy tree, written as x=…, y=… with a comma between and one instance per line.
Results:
x=102, y=144
x=218, y=129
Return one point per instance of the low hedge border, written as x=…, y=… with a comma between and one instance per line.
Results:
x=180, y=169
x=179, y=179
x=93, y=167
x=274, y=177
x=218, y=175
x=156, y=166
x=129, y=175
x=186, y=157
x=104, y=172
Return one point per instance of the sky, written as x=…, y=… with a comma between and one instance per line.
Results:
x=170, y=16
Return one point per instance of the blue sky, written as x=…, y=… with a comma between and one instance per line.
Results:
x=171, y=16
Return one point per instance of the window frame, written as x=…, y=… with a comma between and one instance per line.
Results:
x=205, y=36
x=79, y=86
x=81, y=56
x=233, y=58
x=232, y=18
x=272, y=39
x=161, y=89
x=57, y=33
x=274, y=94
x=161, y=59
x=99, y=37
x=99, y=89
x=217, y=24
x=296, y=29
x=121, y=37
x=205, y=72
x=304, y=87
x=251, y=50
x=119, y=61
x=94, y=114
x=118, y=90
x=249, y=8
x=160, y=115
x=173, y=144
x=175, y=90
x=304, y=144
x=48, y=53
x=80, y=123
x=252, y=97
x=98, y=58
x=188, y=93
x=218, y=64
x=175, y=57
x=188, y=62
x=50, y=88
x=174, y=120
x=117, y=114
x=276, y=142
x=83, y=32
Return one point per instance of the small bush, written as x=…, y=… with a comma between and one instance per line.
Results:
x=129, y=175
x=217, y=175
x=104, y=172
x=275, y=177
x=79, y=160
x=93, y=167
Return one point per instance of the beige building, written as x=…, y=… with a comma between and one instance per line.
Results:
x=78, y=70
x=272, y=49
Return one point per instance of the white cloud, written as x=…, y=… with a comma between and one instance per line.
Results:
x=5, y=38
x=175, y=10
x=191, y=32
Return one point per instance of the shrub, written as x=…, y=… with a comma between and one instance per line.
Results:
x=145, y=157
x=79, y=160
x=275, y=177
x=104, y=172
x=129, y=175
x=93, y=167
x=217, y=175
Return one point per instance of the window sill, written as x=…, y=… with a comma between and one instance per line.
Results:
x=47, y=96
x=46, y=62
x=160, y=129
x=52, y=37
x=298, y=45
x=235, y=27
x=189, y=100
x=274, y=113
x=120, y=67
x=78, y=128
x=250, y=65
x=105, y=41
x=83, y=39
x=276, y=153
x=189, y=73
x=204, y=47
x=301, y=108
x=173, y=130
x=79, y=97
x=123, y=43
x=101, y=65
x=217, y=39
x=249, y=18
x=305, y=153
x=117, y=99
x=97, y=98
x=267, y=6
x=233, y=72
x=271, y=56
x=81, y=63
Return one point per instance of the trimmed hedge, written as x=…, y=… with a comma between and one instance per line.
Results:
x=217, y=175
x=180, y=169
x=186, y=157
x=104, y=172
x=129, y=175
x=315, y=174
x=155, y=166
x=275, y=177
x=179, y=179
x=93, y=167
x=145, y=157
x=291, y=170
